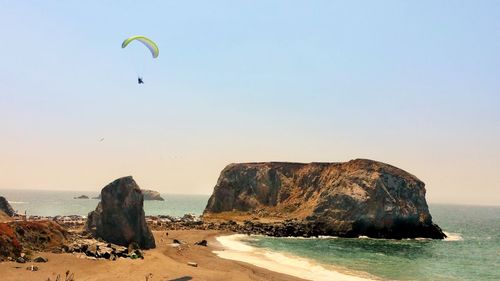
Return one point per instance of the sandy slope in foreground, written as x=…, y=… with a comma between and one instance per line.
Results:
x=164, y=263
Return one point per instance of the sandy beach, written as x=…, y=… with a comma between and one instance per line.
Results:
x=163, y=263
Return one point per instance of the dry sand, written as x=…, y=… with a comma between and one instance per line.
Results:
x=4, y=217
x=164, y=263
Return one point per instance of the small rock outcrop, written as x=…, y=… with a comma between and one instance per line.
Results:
x=81, y=197
x=359, y=197
x=19, y=236
x=40, y=259
x=6, y=207
x=119, y=216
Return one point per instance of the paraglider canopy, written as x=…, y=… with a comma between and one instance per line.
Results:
x=153, y=48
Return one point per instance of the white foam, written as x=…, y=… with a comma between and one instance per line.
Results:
x=17, y=202
x=286, y=264
x=453, y=237
x=296, y=237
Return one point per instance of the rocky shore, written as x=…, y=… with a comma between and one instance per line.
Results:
x=77, y=240
x=353, y=199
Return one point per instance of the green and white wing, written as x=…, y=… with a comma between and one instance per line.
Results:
x=150, y=44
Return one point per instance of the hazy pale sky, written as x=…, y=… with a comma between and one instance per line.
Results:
x=415, y=84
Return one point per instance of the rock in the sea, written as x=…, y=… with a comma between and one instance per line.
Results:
x=119, y=216
x=152, y=195
x=81, y=197
x=359, y=197
x=5, y=207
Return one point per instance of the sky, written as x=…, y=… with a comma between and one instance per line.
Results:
x=411, y=83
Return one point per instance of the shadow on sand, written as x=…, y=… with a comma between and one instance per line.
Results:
x=184, y=278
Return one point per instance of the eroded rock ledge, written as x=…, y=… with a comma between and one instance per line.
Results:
x=359, y=197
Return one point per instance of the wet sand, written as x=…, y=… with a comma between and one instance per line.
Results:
x=165, y=262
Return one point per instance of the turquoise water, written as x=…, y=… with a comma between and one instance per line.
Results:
x=51, y=203
x=471, y=253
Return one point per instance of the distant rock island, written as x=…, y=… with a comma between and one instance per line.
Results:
x=151, y=195
x=81, y=197
x=148, y=195
x=356, y=198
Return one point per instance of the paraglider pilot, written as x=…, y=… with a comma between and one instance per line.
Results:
x=139, y=80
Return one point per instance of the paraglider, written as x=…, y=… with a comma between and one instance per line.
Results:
x=150, y=44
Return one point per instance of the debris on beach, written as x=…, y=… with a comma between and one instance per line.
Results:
x=32, y=268
x=193, y=264
x=202, y=243
x=40, y=259
x=69, y=277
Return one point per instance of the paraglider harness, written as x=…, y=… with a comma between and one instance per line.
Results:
x=139, y=80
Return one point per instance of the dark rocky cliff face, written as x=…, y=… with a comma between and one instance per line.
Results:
x=359, y=197
x=119, y=217
x=5, y=207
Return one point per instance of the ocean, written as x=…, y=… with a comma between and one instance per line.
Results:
x=471, y=252
x=52, y=203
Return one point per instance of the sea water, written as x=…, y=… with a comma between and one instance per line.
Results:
x=471, y=252
x=52, y=203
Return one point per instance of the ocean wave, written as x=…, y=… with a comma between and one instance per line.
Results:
x=299, y=237
x=453, y=236
x=18, y=202
x=235, y=249
x=256, y=236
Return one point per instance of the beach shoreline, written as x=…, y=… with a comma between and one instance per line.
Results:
x=167, y=261
x=235, y=249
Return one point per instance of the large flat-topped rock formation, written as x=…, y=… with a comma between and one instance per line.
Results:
x=359, y=197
